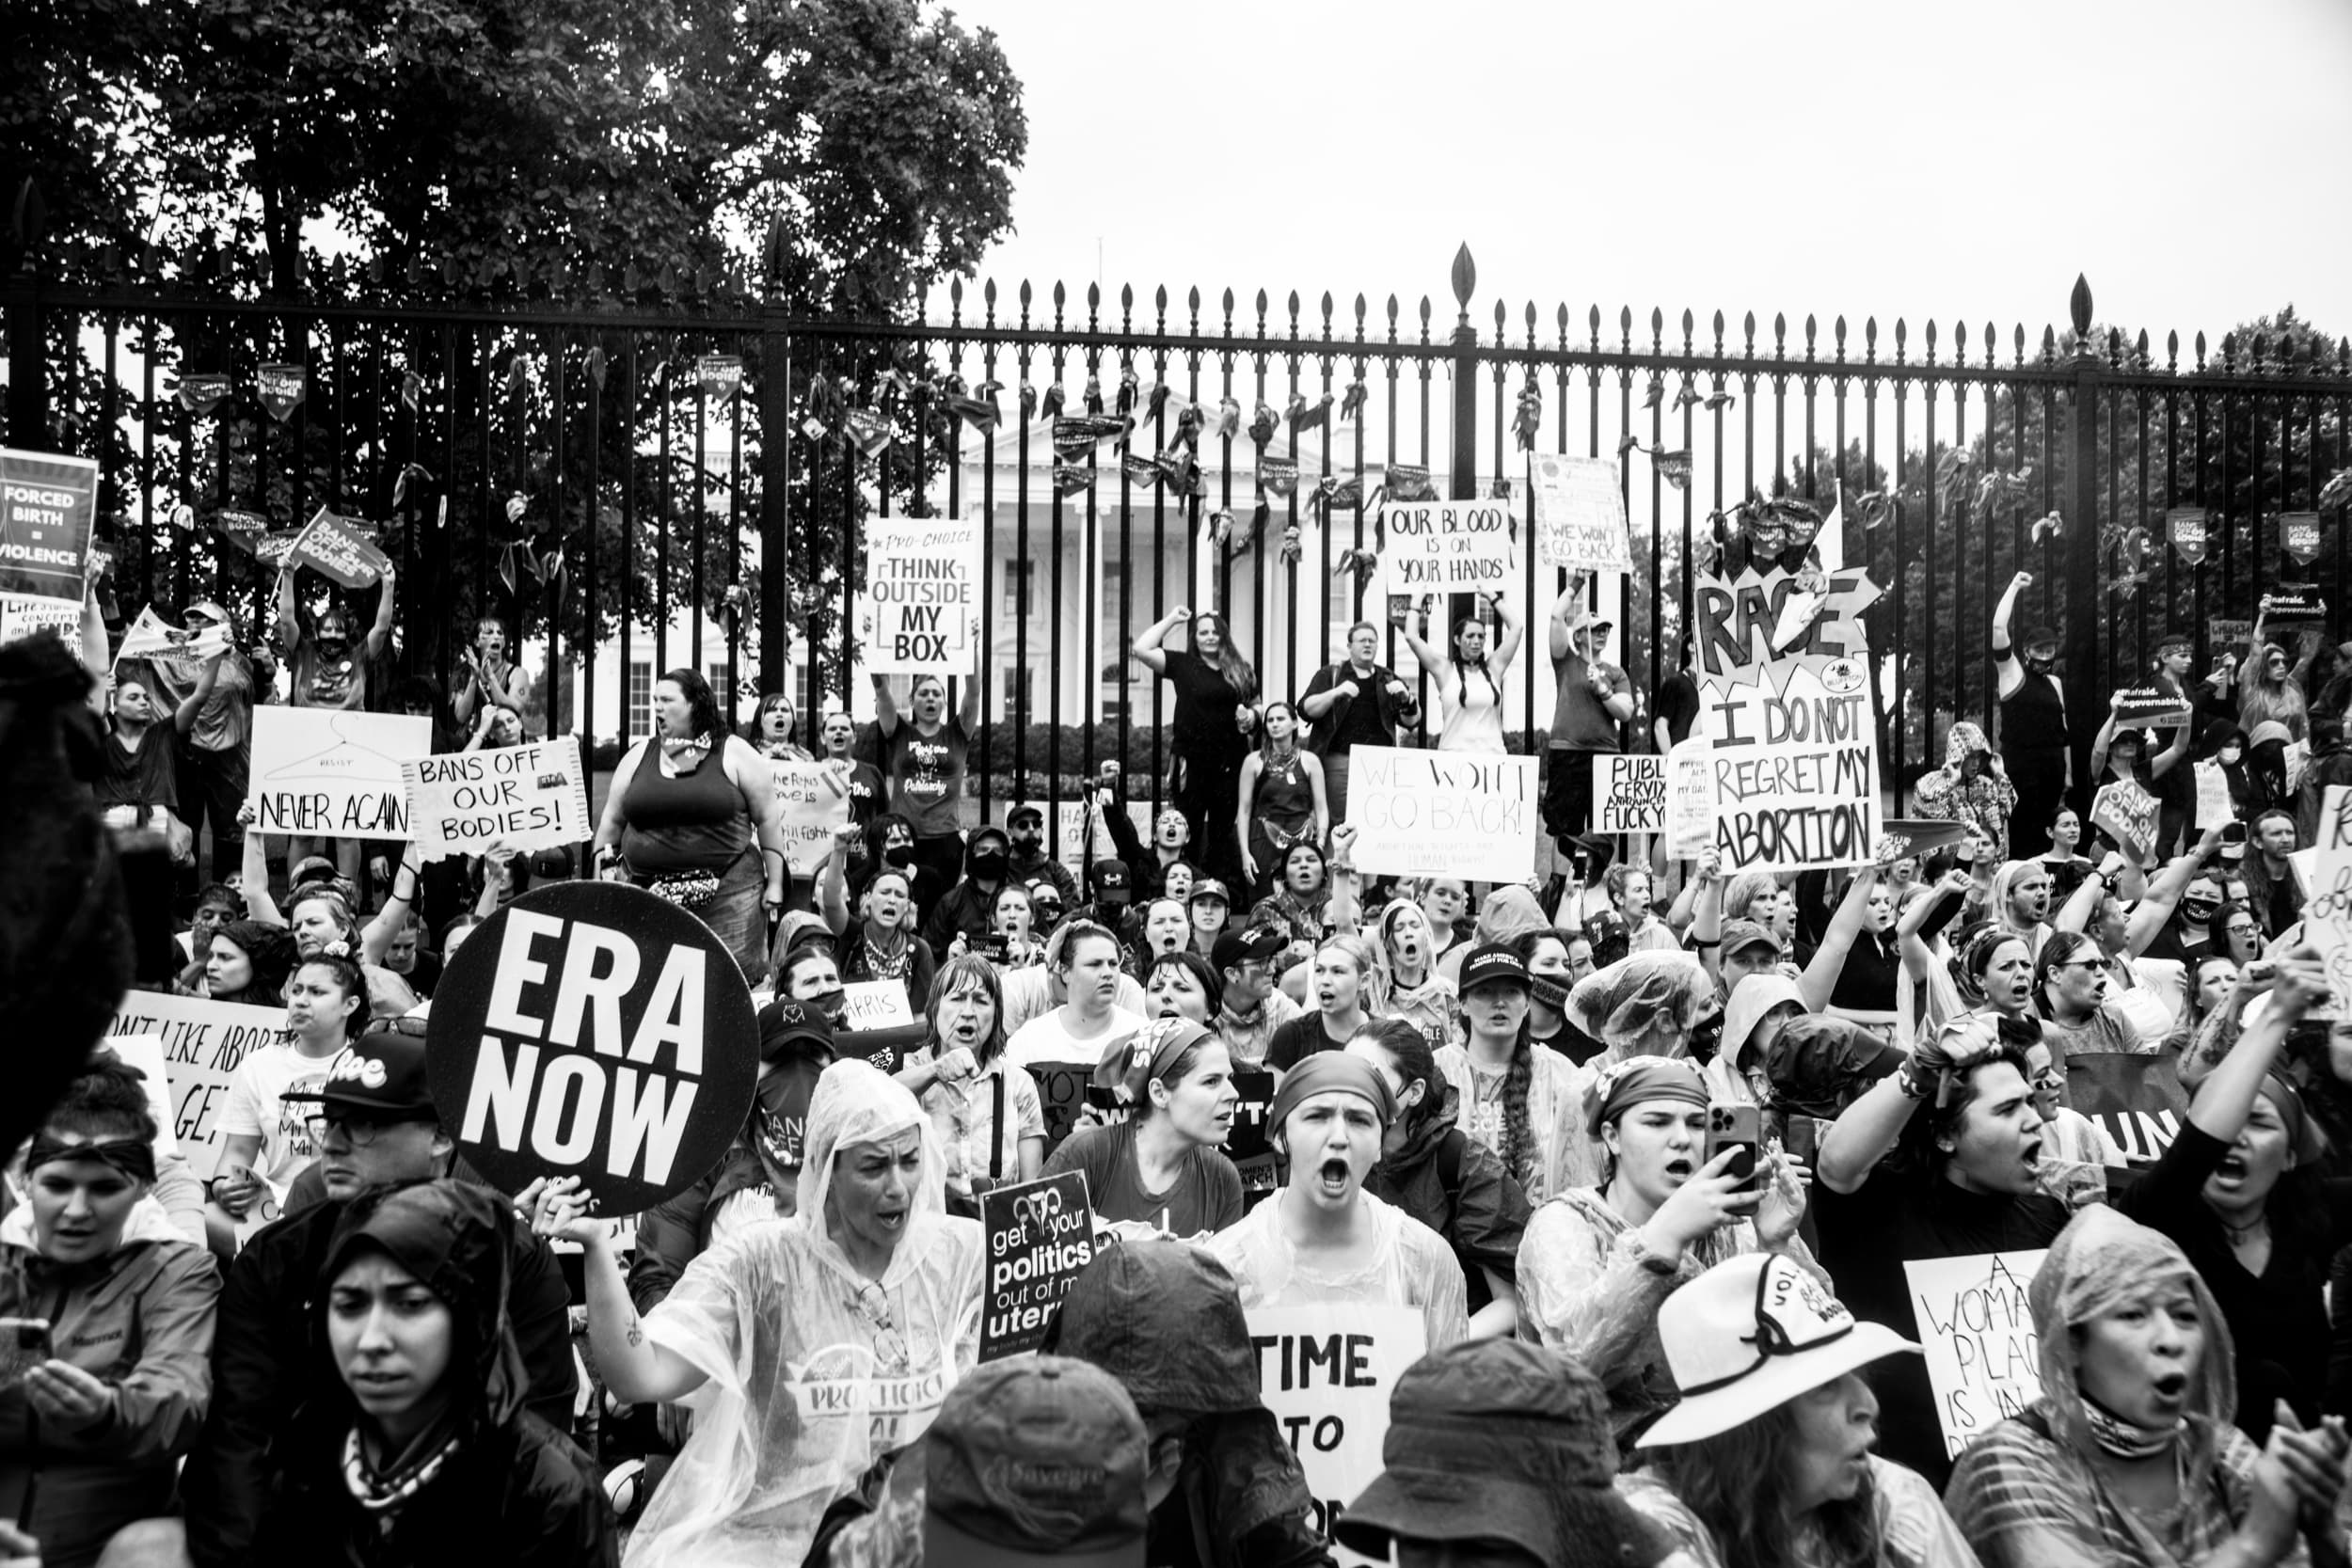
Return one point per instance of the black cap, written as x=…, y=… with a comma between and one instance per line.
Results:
x=1235, y=948
x=381, y=1072
x=783, y=1024
x=989, y=831
x=1025, y=809
x=1107, y=877
x=1490, y=961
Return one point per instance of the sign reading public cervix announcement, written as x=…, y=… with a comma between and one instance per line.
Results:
x=921, y=611
x=591, y=1029
x=1786, y=708
x=47, y=504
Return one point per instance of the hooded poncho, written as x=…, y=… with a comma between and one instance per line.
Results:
x=814, y=1370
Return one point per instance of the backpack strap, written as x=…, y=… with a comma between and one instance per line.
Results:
x=1449, y=1163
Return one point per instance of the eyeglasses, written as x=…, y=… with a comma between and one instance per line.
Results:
x=2234, y=929
x=360, y=1130
x=2078, y=963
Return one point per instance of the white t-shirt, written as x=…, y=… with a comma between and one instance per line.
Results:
x=256, y=1107
x=1029, y=993
x=1412, y=1266
x=1047, y=1038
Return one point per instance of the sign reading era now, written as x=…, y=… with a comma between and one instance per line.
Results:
x=591, y=1029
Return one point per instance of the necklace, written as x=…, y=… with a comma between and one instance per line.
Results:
x=2244, y=1232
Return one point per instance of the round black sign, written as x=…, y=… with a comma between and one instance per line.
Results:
x=591, y=1029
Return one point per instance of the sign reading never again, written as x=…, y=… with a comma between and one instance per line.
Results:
x=591, y=1029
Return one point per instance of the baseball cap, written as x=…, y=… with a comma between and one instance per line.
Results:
x=1108, y=877
x=1235, y=948
x=1032, y=1461
x=1208, y=887
x=783, y=1024
x=1750, y=1335
x=1026, y=812
x=381, y=1073
x=1740, y=934
x=311, y=868
x=1490, y=961
x=1498, y=1441
x=989, y=831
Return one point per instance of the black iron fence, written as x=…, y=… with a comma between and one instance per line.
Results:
x=631, y=473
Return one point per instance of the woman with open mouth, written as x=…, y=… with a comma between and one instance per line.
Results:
x=2020, y=902
x=1513, y=1096
x=1343, y=981
x=813, y=1344
x=1161, y=1170
x=985, y=1111
x=2244, y=1192
x=1598, y=1261
x=2079, y=1018
x=1323, y=1238
x=1768, y=1458
x=2128, y=1459
x=1941, y=1159
x=1417, y=992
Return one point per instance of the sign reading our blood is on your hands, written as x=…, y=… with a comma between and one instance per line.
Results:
x=594, y=1030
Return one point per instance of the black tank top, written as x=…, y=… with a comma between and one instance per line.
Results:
x=2033, y=717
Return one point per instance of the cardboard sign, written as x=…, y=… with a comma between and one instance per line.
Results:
x=1061, y=1092
x=1689, y=799
x=1070, y=829
x=1418, y=813
x=1977, y=1334
x=1578, y=505
x=1252, y=1134
x=875, y=1005
x=1326, y=1371
x=340, y=549
x=2327, y=907
x=1040, y=1234
x=813, y=800
x=2128, y=815
x=2299, y=534
x=1629, y=793
x=2151, y=707
x=202, y=1043
x=334, y=772
x=281, y=387
x=530, y=797
x=2135, y=1097
x=2214, y=806
x=1446, y=548
x=2185, y=526
x=920, y=613
x=47, y=505
x=591, y=1029
x=22, y=616
x=2227, y=635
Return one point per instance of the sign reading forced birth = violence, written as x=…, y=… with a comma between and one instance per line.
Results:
x=47, y=504
x=1417, y=813
x=591, y=1029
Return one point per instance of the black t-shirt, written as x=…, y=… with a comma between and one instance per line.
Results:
x=1302, y=1038
x=143, y=776
x=1866, y=1238
x=1204, y=1198
x=1678, y=705
x=1203, y=722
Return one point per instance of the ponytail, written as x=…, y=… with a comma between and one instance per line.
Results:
x=1519, y=1145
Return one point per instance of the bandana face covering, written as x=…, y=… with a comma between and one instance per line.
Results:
x=2124, y=1440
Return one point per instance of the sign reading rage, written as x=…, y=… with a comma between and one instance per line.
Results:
x=591, y=1029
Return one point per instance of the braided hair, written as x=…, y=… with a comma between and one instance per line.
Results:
x=1520, y=1145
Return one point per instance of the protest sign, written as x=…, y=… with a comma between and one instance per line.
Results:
x=2151, y=707
x=340, y=548
x=334, y=772
x=1445, y=547
x=2126, y=813
x=591, y=1029
x=2294, y=609
x=1326, y=1371
x=151, y=636
x=1061, y=1093
x=2299, y=535
x=813, y=800
x=2213, y=805
x=1466, y=815
x=1690, y=800
x=22, y=617
x=920, y=613
x=2327, y=887
x=202, y=1043
x=144, y=1055
x=530, y=797
x=2228, y=635
x=875, y=1005
x=1070, y=846
x=2135, y=1097
x=2185, y=525
x=47, y=504
x=201, y=393
x=1978, y=1337
x=1040, y=1234
x=1629, y=793
x=1578, y=509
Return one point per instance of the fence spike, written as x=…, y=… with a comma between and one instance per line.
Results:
x=1501, y=315
x=1748, y=325
x=2049, y=344
x=1780, y=331
x=1902, y=332
x=1327, y=313
x=1465, y=277
x=1657, y=325
x=1530, y=321
x=1625, y=321
x=1930, y=335
x=2021, y=342
x=1359, y=315
x=1689, y=321
x=1563, y=325
x=1838, y=332
x=1960, y=343
x=2079, y=302
x=1424, y=317
x=1718, y=330
x=1870, y=337
x=2200, y=351
x=1593, y=322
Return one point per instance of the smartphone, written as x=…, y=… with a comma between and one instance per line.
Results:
x=997, y=948
x=1737, y=1127
x=24, y=1345
x=1105, y=1097
x=1801, y=1138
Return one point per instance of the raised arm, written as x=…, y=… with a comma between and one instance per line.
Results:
x=184, y=717
x=2104, y=742
x=380, y=634
x=1563, y=611
x=2171, y=884
x=968, y=710
x=1430, y=660
x=2009, y=670
x=1345, y=908
x=1820, y=975
x=2075, y=913
x=2226, y=1097
x=377, y=940
x=1507, y=647
x=253, y=874
x=288, y=610
x=1145, y=649
x=832, y=881
x=886, y=709
x=633, y=1366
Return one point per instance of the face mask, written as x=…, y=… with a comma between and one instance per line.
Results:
x=2228, y=756
x=1549, y=993
x=2200, y=910
x=989, y=866
x=901, y=855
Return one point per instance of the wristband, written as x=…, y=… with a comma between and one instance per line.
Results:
x=1702, y=943
x=1907, y=1080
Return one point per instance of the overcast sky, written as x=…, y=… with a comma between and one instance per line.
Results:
x=1829, y=156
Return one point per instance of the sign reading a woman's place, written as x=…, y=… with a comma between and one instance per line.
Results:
x=591, y=1029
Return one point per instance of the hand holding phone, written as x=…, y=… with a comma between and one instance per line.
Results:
x=24, y=1345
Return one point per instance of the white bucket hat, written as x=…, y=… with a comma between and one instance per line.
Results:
x=1750, y=1335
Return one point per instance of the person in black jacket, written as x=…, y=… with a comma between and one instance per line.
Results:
x=414, y=1448
x=373, y=1134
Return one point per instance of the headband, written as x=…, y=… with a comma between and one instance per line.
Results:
x=132, y=1157
x=1148, y=1053
x=1640, y=1078
x=1333, y=1072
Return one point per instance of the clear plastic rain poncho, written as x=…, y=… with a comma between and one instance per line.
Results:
x=814, y=1370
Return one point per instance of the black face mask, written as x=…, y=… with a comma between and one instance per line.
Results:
x=2198, y=909
x=899, y=854
x=988, y=867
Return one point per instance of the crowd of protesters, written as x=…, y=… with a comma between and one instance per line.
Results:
x=1495, y=1107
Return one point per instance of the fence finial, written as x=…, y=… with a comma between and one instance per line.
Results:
x=28, y=215
x=1465, y=280
x=2079, y=304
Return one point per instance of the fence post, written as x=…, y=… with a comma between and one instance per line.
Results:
x=1465, y=479
x=775, y=491
x=2085, y=687
x=29, y=387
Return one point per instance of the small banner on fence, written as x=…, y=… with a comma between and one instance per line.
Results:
x=1456, y=813
x=334, y=772
x=1326, y=1371
x=1629, y=793
x=281, y=387
x=2135, y=1097
x=21, y=617
x=1040, y=1234
x=202, y=1043
x=2298, y=532
x=201, y=393
x=2185, y=526
x=813, y=800
x=920, y=613
x=875, y=1005
x=1978, y=1337
x=2127, y=814
x=1445, y=547
x=592, y=1029
x=1578, y=508
x=47, y=505
x=342, y=549
x=2151, y=707
x=532, y=796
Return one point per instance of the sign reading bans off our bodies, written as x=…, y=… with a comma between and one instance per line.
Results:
x=920, y=614
x=591, y=1029
x=1446, y=548
x=1326, y=1372
x=1419, y=812
x=524, y=796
